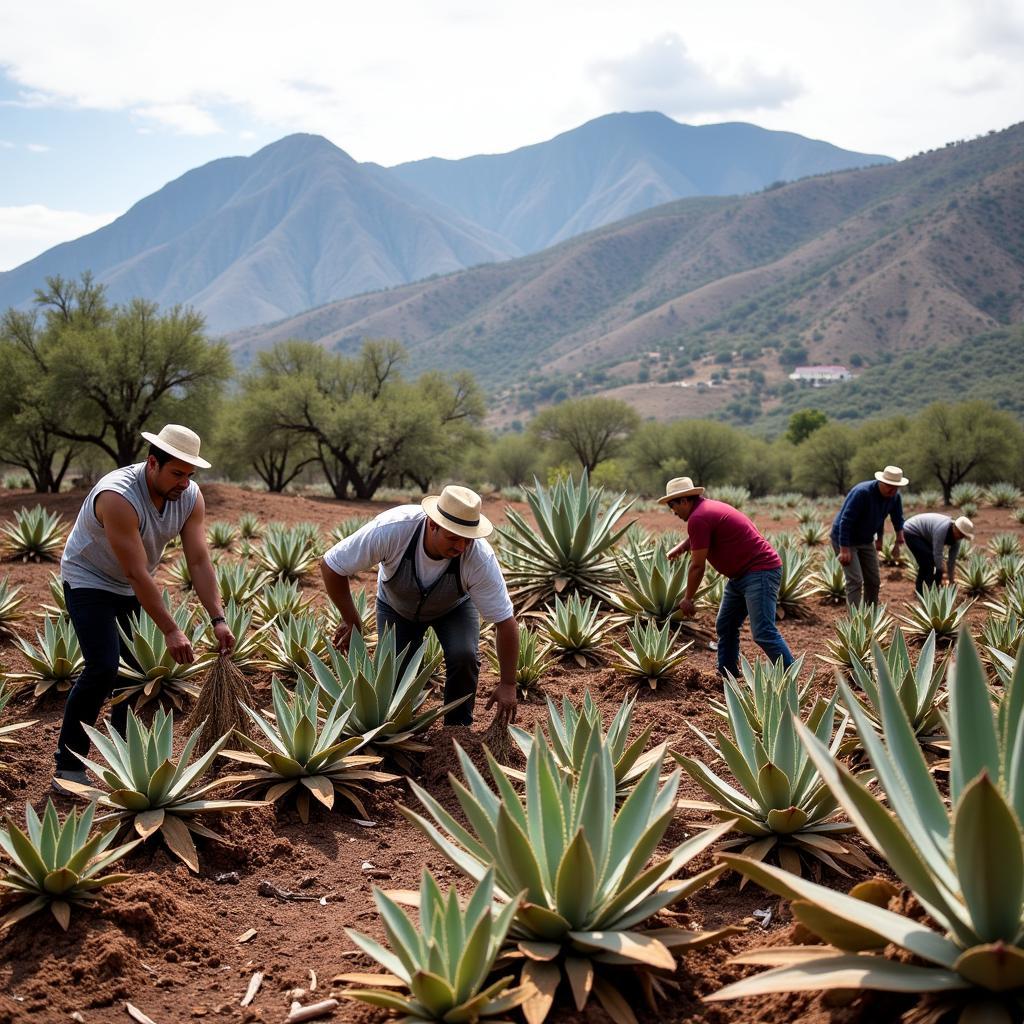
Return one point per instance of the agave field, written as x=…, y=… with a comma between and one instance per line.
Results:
x=839, y=842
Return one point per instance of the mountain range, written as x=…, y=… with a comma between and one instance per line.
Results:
x=248, y=240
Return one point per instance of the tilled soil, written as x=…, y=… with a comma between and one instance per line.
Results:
x=168, y=941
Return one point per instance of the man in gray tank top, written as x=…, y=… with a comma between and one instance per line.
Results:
x=107, y=570
x=436, y=570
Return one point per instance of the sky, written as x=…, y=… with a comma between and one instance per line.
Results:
x=103, y=103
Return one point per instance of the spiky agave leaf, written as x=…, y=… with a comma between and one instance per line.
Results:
x=7, y=729
x=854, y=634
x=1001, y=635
x=1003, y=544
x=60, y=605
x=576, y=628
x=57, y=864
x=977, y=575
x=179, y=573
x=813, y=533
x=963, y=862
x=288, y=553
x=1012, y=602
x=249, y=526
x=290, y=641
x=532, y=662
x=589, y=889
x=221, y=536
x=936, y=610
x=758, y=683
x=445, y=961
x=239, y=582
x=142, y=782
x=796, y=585
x=294, y=750
x=57, y=659
x=651, y=653
x=281, y=599
x=571, y=548
x=10, y=607
x=34, y=536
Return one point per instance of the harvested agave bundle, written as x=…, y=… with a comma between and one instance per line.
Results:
x=221, y=536
x=977, y=576
x=443, y=961
x=218, y=710
x=532, y=663
x=571, y=549
x=589, y=890
x=149, y=787
x=56, y=661
x=652, y=652
x=288, y=643
x=796, y=585
x=248, y=649
x=855, y=633
x=34, y=536
x=828, y=581
x=575, y=628
x=56, y=864
x=293, y=750
x=937, y=610
x=288, y=553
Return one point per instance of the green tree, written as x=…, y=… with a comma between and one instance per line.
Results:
x=880, y=443
x=803, y=423
x=592, y=429
x=823, y=463
x=512, y=460
x=970, y=439
x=711, y=453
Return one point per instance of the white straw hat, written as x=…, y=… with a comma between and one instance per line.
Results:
x=893, y=476
x=679, y=487
x=965, y=526
x=179, y=442
x=457, y=509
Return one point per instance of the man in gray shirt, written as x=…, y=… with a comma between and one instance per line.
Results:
x=927, y=534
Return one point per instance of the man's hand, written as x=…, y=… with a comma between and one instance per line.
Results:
x=343, y=634
x=845, y=556
x=225, y=638
x=179, y=648
x=675, y=552
x=688, y=608
x=505, y=696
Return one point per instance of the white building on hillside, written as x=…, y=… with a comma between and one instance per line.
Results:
x=818, y=375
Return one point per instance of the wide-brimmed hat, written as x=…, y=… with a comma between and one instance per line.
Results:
x=179, y=442
x=679, y=487
x=965, y=526
x=893, y=476
x=457, y=509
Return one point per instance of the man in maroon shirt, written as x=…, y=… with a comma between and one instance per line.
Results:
x=725, y=537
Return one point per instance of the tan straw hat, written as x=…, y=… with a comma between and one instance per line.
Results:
x=965, y=526
x=893, y=476
x=679, y=487
x=457, y=509
x=179, y=442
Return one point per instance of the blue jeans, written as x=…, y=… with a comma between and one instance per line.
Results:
x=459, y=634
x=754, y=594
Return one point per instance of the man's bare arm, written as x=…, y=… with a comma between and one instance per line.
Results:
x=200, y=567
x=339, y=590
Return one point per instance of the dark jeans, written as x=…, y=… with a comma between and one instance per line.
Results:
x=754, y=594
x=459, y=633
x=927, y=571
x=95, y=614
x=863, y=577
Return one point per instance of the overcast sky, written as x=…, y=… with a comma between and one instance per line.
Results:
x=103, y=103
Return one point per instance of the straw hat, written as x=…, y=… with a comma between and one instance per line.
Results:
x=893, y=476
x=679, y=487
x=457, y=509
x=179, y=442
x=965, y=526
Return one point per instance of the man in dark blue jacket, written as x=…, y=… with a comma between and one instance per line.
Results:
x=857, y=531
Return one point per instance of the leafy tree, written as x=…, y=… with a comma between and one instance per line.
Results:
x=952, y=442
x=512, y=460
x=882, y=442
x=804, y=423
x=593, y=429
x=712, y=453
x=823, y=463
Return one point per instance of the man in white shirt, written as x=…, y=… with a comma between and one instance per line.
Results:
x=436, y=570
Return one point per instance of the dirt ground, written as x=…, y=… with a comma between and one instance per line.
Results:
x=167, y=940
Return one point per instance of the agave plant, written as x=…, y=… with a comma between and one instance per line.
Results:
x=892, y=555
x=34, y=536
x=1018, y=514
x=937, y=611
x=1004, y=544
x=290, y=642
x=1013, y=600
x=240, y=583
x=385, y=699
x=248, y=649
x=60, y=605
x=977, y=576
x=156, y=675
x=299, y=751
x=222, y=536
x=966, y=494
x=569, y=732
x=796, y=585
x=806, y=514
x=779, y=802
x=249, y=526
x=654, y=586
x=56, y=661
x=1002, y=495
x=1004, y=635
x=928, y=499
x=56, y=863
x=7, y=729
x=574, y=627
x=828, y=580
x=444, y=962
x=962, y=861
x=711, y=589
x=918, y=687
x=651, y=653
x=736, y=496
x=813, y=534
x=571, y=550
x=287, y=553
x=854, y=634
x=147, y=785
x=282, y=599
x=10, y=607
x=532, y=663
x=1009, y=568
x=757, y=684
x=179, y=574
x=349, y=526
x=583, y=866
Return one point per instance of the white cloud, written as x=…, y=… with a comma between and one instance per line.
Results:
x=661, y=75
x=26, y=231
x=37, y=147
x=184, y=118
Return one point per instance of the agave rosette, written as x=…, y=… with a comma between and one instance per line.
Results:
x=977, y=575
x=1001, y=636
x=756, y=686
x=583, y=866
x=1003, y=544
x=652, y=652
x=57, y=864
x=249, y=526
x=575, y=628
x=443, y=962
x=280, y=600
x=292, y=640
x=7, y=729
x=864, y=625
x=57, y=659
x=653, y=585
x=796, y=584
x=828, y=580
x=221, y=536
x=60, y=605
x=11, y=601
x=288, y=553
x=963, y=862
x=34, y=536
x=240, y=583
x=937, y=610
x=532, y=661
x=1013, y=600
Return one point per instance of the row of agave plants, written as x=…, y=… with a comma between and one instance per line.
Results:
x=569, y=875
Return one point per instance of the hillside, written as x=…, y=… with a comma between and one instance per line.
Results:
x=613, y=167
x=844, y=267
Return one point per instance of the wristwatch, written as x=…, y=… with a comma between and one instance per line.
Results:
x=216, y=619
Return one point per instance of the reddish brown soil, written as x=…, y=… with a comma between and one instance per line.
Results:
x=167, y=941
